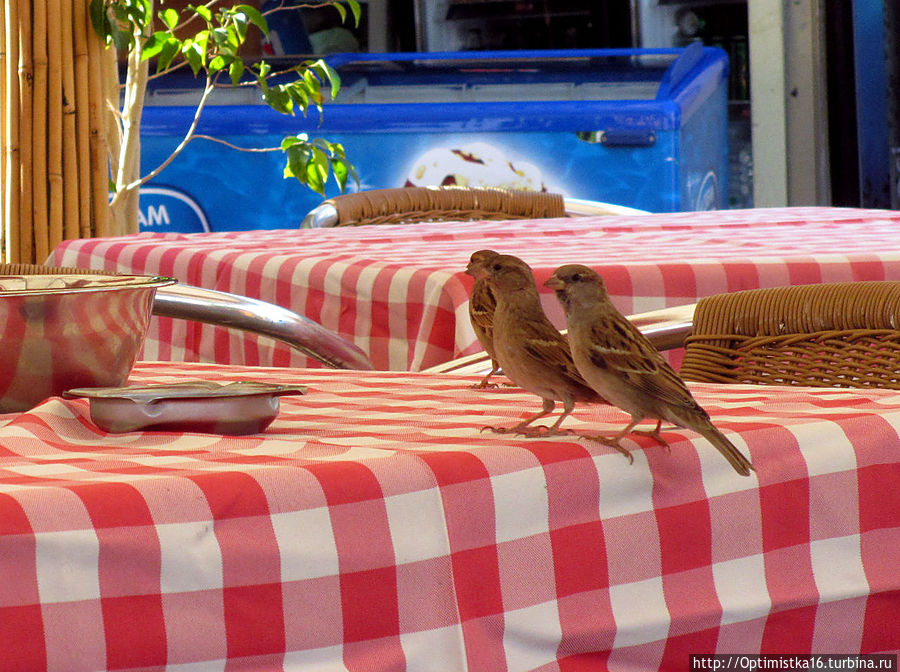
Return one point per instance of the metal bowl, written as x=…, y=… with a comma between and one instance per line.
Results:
x=59, y=332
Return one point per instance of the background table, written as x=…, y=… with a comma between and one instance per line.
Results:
x=400, y=293
x=373, y=526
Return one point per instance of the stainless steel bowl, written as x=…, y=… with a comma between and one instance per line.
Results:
x=59, y=332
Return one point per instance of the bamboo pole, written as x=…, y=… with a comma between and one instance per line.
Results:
x=26, y=122
x=6, y=115
x=55, y=193
x=39, y=139
x=12, y=179
x=72, y=179
x=83, y=122
x=98, y=148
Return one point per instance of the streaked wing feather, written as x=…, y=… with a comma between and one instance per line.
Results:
x=550, y=347
x=618, y=344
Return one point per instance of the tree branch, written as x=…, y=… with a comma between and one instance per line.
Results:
x=188, y=136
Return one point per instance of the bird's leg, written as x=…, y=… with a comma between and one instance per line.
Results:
x=616, y=438
x=568, y=407
x=525, y=427
x=655, y=435
x=483, y=383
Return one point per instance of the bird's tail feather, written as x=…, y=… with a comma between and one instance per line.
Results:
x=734, y=456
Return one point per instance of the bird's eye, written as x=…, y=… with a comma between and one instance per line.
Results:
x=576, y=277
x=497, y=267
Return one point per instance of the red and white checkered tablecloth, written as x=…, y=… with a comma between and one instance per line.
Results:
x=374, y=527
x=399, y=292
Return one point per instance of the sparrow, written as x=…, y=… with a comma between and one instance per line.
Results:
x=529, y=349
x=481, y=308
x=620, y=363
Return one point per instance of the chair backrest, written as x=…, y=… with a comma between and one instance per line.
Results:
x=824, y=335
x=402, y=205
x=419, y=204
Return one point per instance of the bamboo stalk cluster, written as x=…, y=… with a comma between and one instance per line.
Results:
x=54, y=79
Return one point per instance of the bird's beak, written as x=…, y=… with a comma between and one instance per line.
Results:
x=469, y=270
x=555, y=283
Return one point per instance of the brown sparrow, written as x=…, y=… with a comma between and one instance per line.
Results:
x=481, y=308
x=620, y=363
x=530, y=350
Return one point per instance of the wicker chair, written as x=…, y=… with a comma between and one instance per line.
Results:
x=824, y=335
x=236, y=312
x=430, y=204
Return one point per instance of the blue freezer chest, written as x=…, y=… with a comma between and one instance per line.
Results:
x=645, y=128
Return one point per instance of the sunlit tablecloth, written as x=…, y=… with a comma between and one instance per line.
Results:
x=375, y=527
x=399, y=292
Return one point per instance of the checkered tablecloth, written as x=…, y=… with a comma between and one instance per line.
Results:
x=399, y=292
x=375, y=527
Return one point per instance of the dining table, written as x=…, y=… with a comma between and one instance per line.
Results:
x=400, y=292
x=379, y=524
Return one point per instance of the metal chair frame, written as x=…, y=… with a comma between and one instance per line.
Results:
x=822, y=335
x=232, y=311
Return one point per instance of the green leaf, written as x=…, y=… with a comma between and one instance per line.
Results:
x=236, y=71
x=317, y=171
x=202, y=11
x=169, y=17
x=299, y=96
x=216, y=64
x=225, y=38
x=194, y=55
x=313, y=87
x=291, y=140
x=100, y=19
x=296, y=156
x=357, y=12
x=326, y=73
x=122, y=40
x=154, y=45
x=138, y=13
x=311, y=162
x=340, y=171
x=278, y=100
x=237, y=29
x=169, y=51
x=201, y=42
x=254, y=16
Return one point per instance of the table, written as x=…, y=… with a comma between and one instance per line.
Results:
x=400, y=293
x=373, y=527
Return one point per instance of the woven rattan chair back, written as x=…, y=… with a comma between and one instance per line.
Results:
x=825, y=335
x=426, y=204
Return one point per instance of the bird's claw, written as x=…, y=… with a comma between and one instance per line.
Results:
x=653, y=434
x=544, y=430
x=656, y=436
x=530, y=431
x=613, y=441
x=484, y=385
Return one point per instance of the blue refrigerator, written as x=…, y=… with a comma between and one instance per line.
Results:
x=645, y=128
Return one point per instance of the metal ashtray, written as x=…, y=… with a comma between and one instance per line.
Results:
x=205, y=407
